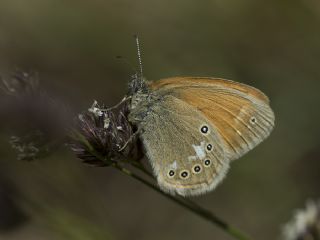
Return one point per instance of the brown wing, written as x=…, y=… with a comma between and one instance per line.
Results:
x=185, y=160
x=240, y=113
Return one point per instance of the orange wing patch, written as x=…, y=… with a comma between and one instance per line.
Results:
x=240, y=113
x=178, y=82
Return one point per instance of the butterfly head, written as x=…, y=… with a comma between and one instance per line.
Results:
x=137, y=84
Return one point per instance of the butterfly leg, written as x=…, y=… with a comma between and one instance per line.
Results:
x=131, y=139
x=126, y=98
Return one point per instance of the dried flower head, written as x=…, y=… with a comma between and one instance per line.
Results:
x=36, y=121
x=305, y=225
x=103, y=136
x=31, y=146
x=21, y=83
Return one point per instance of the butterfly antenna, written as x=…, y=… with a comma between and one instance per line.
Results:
x=139, y=54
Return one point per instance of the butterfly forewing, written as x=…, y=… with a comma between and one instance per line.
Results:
x=241, y=114
x=203, y=82
x=185, y=149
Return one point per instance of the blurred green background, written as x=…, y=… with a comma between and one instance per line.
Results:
x=272, y=45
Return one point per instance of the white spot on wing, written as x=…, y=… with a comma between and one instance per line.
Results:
x=239, y=132
x=192, y=158
x=241, y=114
x=200, y=152
x=174, y=165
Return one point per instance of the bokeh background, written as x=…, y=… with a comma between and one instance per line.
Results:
x=272, y=45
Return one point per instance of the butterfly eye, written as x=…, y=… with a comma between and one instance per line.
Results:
x=253, y=120
x=184, y=174
x=196, y=169
x=209, y=147
x=204, y=129
x=207, y=163
x=171, y=173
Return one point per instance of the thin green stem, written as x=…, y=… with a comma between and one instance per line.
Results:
x=191, y=206
x=139, y=166
x=186, y=203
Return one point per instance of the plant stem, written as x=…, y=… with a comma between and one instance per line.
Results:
x=191, y=206
x=186, y=203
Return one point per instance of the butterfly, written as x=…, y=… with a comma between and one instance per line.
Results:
x=193, y=127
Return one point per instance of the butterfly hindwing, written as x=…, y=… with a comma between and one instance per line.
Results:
x=185, y=150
